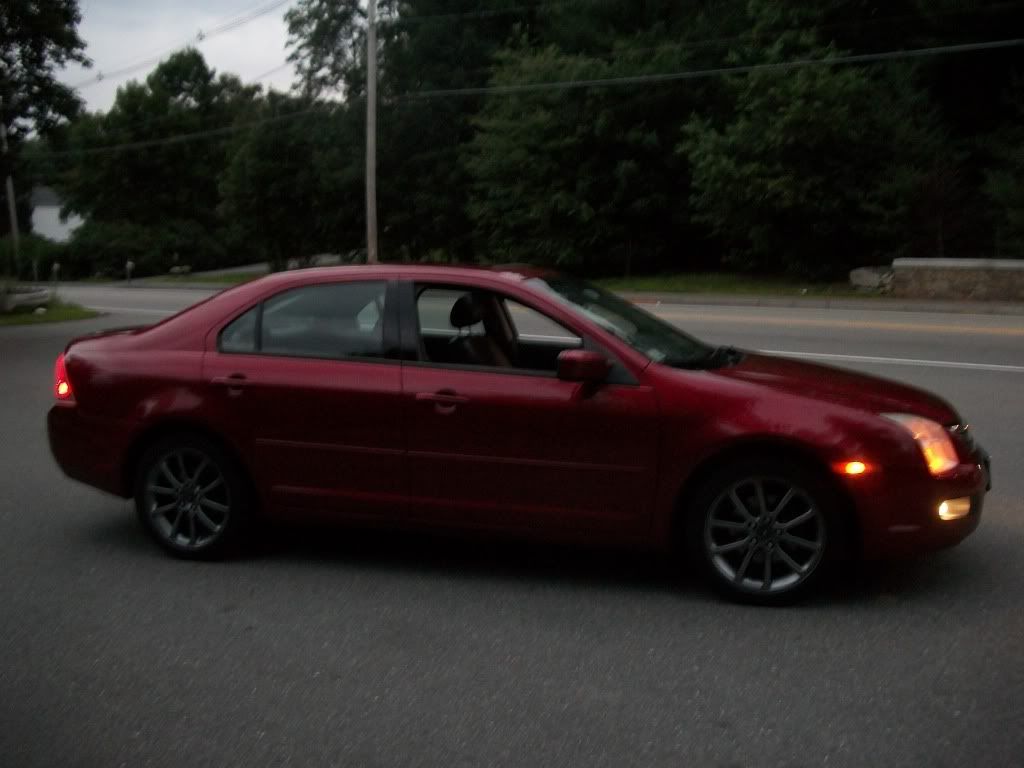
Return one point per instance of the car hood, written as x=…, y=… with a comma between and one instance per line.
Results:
x=854, y=390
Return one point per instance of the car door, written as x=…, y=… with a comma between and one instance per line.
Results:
x=309, y=380
x=513, y=446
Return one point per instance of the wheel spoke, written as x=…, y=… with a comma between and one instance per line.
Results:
x=721, y=549
x=192, y=529
x=797, y=541
x=215, y=506
x=761, y=503
x=163, y=490
x=784, y=556
x=781, y=505
x=165, y=470
x=157, y=511
x=215, y=484
x=177, y=524
x=199, y=470
x=740, y=506
x=202, y=517
x=767, y=570
x=181, y=466
x=729, y=525
x=798, y=520
x=744, y=565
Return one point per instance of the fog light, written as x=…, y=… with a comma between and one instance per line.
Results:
x=954, y=509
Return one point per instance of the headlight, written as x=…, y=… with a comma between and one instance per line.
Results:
x=933, y=440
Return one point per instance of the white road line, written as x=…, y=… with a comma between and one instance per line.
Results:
x=135, y=311
x=899, y=361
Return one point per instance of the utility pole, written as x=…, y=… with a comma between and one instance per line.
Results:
x=371, y=133
x=12, y=207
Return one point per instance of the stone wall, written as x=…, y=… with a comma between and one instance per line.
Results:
x=974, y=279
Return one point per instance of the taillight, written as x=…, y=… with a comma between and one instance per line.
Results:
x=61, y=383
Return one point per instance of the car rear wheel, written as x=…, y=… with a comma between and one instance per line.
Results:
x=764, y=532
x=191, y=497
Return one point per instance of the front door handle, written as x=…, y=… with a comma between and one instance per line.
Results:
x=445, y=401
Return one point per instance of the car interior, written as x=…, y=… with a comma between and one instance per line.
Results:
x=480, y=328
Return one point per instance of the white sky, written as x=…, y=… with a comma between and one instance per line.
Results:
x=120, y=33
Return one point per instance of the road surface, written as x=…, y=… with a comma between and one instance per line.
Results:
x=357, y=650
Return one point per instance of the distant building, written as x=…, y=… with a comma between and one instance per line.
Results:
x=46, y=220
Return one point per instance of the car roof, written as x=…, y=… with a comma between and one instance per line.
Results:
x=515, y=272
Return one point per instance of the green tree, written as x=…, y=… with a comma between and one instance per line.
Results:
x=1004, y=181
x=37, y=39
x=293, y=187
x=814, y=170
x=120, y=168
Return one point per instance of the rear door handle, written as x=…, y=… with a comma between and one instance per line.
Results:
x=235, y=383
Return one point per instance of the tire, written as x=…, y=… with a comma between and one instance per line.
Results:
x=192, y=497
x=765, y=532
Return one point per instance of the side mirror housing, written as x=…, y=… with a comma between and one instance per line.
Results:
x=583, y=365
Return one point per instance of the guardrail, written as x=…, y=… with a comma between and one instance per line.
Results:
x=23, y=296
x=974, y=279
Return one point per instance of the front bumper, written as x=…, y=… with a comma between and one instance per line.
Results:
x=899, y=516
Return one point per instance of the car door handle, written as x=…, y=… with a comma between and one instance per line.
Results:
x=235, y=383
x=442, y=398
x=445, y=402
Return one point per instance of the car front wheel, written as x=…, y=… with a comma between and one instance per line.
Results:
x=764, y=532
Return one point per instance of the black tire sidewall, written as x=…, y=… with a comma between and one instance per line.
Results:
x=238, y=491
x=699, y=507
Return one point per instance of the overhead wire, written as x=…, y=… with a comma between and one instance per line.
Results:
x=200, y=37
x=561, y=85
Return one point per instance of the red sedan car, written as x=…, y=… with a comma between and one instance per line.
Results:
x=510, y=399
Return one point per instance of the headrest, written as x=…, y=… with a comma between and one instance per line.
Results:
x=466, y=312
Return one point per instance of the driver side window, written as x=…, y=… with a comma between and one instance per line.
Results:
x=469, y=327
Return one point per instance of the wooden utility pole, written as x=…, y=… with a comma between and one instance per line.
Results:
x=372, y=256
x=12, y=206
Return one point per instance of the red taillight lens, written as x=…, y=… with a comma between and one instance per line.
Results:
x=61, y=383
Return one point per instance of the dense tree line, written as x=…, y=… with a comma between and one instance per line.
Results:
x=807, y=170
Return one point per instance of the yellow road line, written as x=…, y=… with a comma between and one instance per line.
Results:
x=825, y=323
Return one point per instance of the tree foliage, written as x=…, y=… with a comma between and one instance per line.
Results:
x=810, y=171
x=37, y=39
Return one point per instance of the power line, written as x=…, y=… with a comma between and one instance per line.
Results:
x=202, y=36
x=566, y=85
x=666, y=77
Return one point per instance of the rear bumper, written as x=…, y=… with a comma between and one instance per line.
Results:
x=904, y=520
x=85, y=450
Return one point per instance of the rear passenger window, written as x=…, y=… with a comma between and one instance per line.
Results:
x=329, y=321
x=240, y=335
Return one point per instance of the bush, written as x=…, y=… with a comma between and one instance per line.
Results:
x=33, y=249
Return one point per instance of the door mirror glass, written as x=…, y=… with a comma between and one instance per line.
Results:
x=583, y=365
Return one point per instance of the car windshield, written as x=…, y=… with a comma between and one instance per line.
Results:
x=654, y=338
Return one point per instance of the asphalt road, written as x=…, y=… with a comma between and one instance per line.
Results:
x=363, y=650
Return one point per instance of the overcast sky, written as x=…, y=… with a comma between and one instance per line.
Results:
x=121, y=33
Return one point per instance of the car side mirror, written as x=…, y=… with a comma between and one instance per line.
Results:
x=583, y=365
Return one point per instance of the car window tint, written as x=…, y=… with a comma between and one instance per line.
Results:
x=329, y=321
x=434, y=307
x=240, y=334
x=531, y=326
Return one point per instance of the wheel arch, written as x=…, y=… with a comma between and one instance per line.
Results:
x=149, y=436
x=775, y=449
